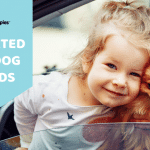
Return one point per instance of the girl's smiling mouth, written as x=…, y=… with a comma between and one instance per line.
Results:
x=116, y=93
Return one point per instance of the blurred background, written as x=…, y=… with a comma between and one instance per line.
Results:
x=56, y=41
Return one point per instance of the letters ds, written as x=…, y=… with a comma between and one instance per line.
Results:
x=7, y=60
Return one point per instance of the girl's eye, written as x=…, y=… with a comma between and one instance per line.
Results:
x=111, y=66
x=135, y=74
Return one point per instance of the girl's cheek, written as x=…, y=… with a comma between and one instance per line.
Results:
x=137, y=90
x=134, y=89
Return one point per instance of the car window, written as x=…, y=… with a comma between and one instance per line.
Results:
x=57, y=40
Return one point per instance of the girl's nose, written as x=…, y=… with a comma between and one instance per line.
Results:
x=120, y=81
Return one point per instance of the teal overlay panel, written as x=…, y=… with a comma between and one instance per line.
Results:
x=15, y=48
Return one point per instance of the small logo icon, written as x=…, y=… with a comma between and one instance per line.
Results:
x=4, y=22
x=69, y=116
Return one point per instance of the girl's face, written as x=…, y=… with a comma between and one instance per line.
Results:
x=115, y=76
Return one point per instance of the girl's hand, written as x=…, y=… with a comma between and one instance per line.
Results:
x=21, y=148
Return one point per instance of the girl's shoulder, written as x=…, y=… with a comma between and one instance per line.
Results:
x=53, y=77
x=49, y=83
x=45, y=88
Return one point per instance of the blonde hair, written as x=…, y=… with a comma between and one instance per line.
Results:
x=124, y=18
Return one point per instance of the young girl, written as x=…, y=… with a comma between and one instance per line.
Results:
x=106, y=74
